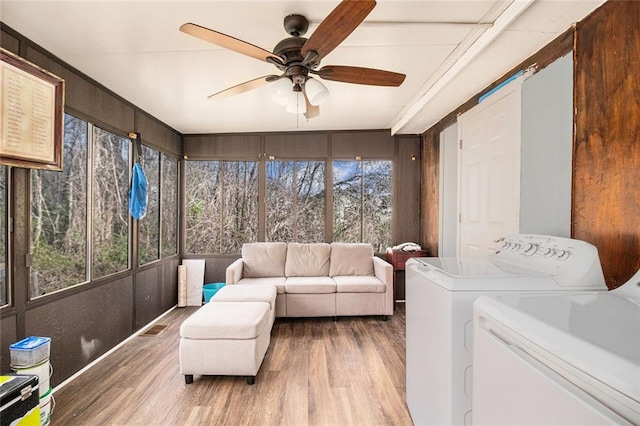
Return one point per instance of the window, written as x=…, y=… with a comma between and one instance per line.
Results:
x=149, y=225
x=4, y=282
x=169, y=203
x=240, y=212
x=362, y=202
x=221, y=200
x=295, y=204
x=59, y=216
x=110, y=213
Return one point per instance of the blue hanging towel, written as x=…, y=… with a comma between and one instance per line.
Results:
x=138, y=194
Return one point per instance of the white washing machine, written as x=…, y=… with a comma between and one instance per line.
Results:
x=564, y=359
x=439, y=312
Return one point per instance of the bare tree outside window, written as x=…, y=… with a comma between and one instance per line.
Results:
x=59, y=216
x=169, y=196
x=376, y=202
x=362, y=202
x=202, y=207
x=4, y=284
x=295, y=201
x=149, y=225
x=221, y=205
x=111, y=171
x=240, y=214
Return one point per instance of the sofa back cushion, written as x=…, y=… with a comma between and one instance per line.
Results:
x=263, y=259
x=307, y=260
x=351, y=259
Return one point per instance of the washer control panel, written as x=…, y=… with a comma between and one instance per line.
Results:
x=540, y=246
x=562, y=257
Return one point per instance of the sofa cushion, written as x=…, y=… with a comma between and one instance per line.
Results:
x=351, y=259
x=307, y=285
x=247, y=293
x=307, y=260
x=359, y=284
x=230, y=321
x=276, y=281
x=263, y=259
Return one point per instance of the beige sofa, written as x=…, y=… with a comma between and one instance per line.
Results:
x=318, y=280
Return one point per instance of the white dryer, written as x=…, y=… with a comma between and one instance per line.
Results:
x=439, y=312
x=564, y=359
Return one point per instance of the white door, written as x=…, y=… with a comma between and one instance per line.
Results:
x=489, y=183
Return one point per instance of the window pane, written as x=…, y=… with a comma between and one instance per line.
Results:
x=280, y=201
x=111, y=168
x=149, y=225
x=347, y=201
x=59, y=216
x=377, y=204
x=203, y=223
x=240, y=204
x=362, y=202
x=4, y=284
x=169, y=216
x=310, y=202
x=295, y=201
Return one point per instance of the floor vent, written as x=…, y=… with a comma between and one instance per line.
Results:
x=153, y=331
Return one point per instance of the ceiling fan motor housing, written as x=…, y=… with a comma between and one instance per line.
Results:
x=296, y=25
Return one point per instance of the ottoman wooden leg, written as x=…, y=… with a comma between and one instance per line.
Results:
x=188, y=379
x=251, y=380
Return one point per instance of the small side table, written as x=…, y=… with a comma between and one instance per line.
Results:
x=398, y=259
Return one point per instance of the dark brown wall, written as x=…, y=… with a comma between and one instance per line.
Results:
x=606, y=174
x=606, y=179
x=87, y=320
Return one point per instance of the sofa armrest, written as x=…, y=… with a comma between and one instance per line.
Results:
x=383, y=271
x=234, y=271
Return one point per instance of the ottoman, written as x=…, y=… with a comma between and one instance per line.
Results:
x=227, y=339
x=249, y=293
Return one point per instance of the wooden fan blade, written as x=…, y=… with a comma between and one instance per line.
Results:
x=358, y=75
x=337, y=26
x=227, y=42
x=313, y=111
x=244, y=87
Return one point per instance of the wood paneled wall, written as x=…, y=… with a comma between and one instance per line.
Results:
x=430, y=191
x=606, y=163
x=606, y=180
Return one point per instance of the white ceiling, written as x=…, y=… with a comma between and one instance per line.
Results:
x=135, y=49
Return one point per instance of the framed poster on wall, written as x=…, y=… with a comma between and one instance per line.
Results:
x=31, y=124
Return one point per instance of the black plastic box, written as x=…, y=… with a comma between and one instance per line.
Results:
x=19, y=400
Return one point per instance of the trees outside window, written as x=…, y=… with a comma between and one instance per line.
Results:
x=110, y=213
x=221, y=200
x=169, y=203
x=59, y=216
x=240, y=198
x=149, y=225
x=295, y=201
x=362, y=202
x=4, y=282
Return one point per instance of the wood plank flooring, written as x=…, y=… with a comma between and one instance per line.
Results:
x=316, y=372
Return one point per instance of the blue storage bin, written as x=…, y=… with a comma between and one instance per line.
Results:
x=210, y=289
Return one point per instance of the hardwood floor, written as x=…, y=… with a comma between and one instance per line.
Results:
x=316, y=372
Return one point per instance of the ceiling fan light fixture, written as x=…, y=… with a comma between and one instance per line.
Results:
x=296, y=103
x=280, y=90
x=316, y=91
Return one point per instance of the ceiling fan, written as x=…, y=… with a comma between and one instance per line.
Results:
x=298, y=58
